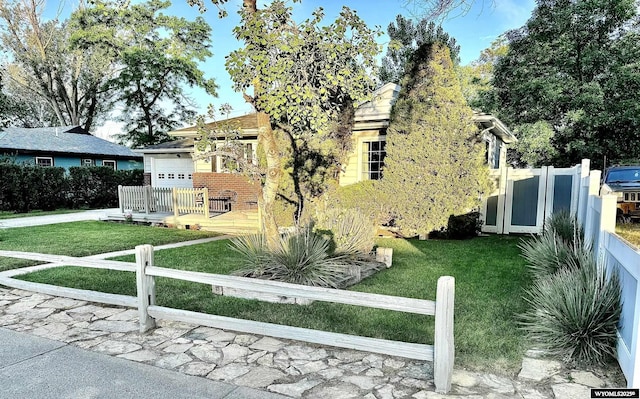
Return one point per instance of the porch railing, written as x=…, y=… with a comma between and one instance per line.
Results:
x=179, y=201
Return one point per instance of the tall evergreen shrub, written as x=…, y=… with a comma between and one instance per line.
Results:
x=435, y=163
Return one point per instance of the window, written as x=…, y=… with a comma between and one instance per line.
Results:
x=241, y=150
x=190, y=176
x=109, y=164
x=160, y=175
x=180, y=175
x=88, y=162
x=373, y=153
x=44, y=161
x=171, y=176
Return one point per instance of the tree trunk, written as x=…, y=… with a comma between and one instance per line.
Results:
x=267, y=139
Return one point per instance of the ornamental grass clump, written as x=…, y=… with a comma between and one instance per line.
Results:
x=299, y=257
x=574, y=305
x=574, y=313
x=350, y=231
x=560, y=244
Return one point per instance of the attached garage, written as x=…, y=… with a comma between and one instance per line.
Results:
x=171, y=172
x=169, y=164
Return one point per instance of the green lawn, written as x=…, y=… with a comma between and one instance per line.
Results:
x=630, y=232
x=85, y=238
x=489, y=272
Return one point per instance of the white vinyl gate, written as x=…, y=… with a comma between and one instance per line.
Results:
x=523, y=198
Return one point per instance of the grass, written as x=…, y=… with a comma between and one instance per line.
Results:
x=84, y=239
x=630, y=232
x=490, y=276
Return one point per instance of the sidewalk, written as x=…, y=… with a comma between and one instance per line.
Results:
x=94, y=214
x=34, y=367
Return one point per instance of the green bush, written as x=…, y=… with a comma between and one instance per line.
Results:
x=298, y=257
x=27, y=187
x=574, y=313
x=365, y=197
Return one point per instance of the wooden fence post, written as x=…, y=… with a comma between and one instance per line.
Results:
x=147, y=199
x=120, y=199
x=146, y=286
x=205, y=202
x=443, y=346
x=174, y=197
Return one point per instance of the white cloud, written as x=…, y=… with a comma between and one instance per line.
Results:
x=513, y=13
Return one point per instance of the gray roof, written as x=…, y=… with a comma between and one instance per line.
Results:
x=181, y=145
x=60, y=139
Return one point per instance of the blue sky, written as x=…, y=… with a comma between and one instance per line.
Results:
x=474, y=31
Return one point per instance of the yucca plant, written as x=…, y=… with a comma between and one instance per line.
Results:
x=574, y=313
x=547, y=253
x=559, y=246
x=352, y=232
x=298, y=257
x=564, y=226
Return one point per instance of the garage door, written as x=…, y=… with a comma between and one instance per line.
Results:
x=172, y=172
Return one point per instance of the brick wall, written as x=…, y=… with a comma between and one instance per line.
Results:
x=216, y=182
x=147, y=179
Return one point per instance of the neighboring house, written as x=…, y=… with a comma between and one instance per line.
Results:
x=65, y=146
x=364, y=163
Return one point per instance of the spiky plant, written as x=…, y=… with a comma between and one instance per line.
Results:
x=547, y=253
x=298, y=257
x=352, y=231
x=564, y=226
x=574, y=313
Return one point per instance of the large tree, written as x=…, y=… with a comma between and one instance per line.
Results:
x=435, y=163
x=405, y=37
x=44, y=67
x=157, y=56
x=314, y=113
x=574, y=66
x=314, y=73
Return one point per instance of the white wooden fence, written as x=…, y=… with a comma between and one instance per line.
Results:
x=145, y=199
x=174, y=200
x=191, y=200
x=441, y=352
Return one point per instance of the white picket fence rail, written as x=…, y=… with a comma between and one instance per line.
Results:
x=174, y=200
x=441, y=353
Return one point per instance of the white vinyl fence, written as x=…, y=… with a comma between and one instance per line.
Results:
x=441, y=352
x=619, y=257
x=524, y=198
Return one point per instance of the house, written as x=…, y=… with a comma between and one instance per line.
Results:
x=65, y=146
x=179, y=164
x=364, y=163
